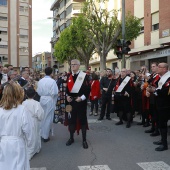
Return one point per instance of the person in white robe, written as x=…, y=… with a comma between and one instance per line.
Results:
x=37, y=114
x=48, y=91
x=15, y=130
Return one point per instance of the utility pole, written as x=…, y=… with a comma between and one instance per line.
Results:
x=123, y=32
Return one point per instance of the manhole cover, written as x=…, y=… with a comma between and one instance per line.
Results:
x=100, y=128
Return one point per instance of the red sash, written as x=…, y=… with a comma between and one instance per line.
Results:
x=70, y=83
x=157, y=77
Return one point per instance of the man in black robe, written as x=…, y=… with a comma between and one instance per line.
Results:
x=78, y=90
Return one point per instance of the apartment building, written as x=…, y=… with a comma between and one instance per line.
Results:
x=41, y=60
x=153, y=43
x=16, y=32
x=63, y=12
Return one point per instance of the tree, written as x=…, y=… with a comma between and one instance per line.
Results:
x=63, y=48
x=74, y=43
x=106, y=28
x=81, y=43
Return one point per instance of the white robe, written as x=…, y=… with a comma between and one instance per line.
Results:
x=48, y=90
x=37, y=114
x=15, y=135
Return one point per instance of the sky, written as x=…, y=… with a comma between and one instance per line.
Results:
x=42, y=29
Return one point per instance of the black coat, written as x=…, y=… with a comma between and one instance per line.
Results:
x=79, y=109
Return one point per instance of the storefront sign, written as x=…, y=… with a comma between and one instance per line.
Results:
x=151, y=55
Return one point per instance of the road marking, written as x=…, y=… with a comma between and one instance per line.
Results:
x=154, y=165
x=43, y=168
x=94, y=167
x=93, y=121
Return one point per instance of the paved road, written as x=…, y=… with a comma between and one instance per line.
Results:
x=111, y=147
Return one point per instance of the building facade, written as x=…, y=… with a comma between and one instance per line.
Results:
x=63, y=12
x=153, y=43
x=16, y=32
x=41, y=60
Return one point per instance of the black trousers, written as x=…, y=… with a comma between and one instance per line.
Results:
x=163, y=117
x=94, y=103
x=154, y=116
x=106, y=102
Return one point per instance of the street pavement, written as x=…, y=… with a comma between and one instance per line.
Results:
x=111, y=147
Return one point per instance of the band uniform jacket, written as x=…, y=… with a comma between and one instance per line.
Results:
x=79, y=109
x=153, y=81
x=105, y=82
x=22, y=82
x=123, y=103
x=163, y=98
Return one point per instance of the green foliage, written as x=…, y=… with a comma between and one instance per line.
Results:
x=132, y=27
x=63, y=47
x=74, y=43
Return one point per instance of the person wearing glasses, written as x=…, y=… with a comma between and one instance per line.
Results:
x=162, y=95
x=78, y=90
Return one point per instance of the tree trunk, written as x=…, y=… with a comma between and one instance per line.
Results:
x=102, y=61
x=86, y=64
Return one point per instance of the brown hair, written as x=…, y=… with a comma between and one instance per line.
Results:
x=12, y=96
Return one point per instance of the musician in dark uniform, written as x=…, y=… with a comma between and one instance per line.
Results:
x=153, y=81
x=123, y=98
x=78, y=90
x=106, y=85
x=162, y=93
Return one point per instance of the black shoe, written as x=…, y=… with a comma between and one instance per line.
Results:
x=85, y=145
x=146, y=125
x=155, y=133
x=149, y=131
x=108, y=118
x=69, y=142
x=161, y=148
x=46, y=140
x=158, y=142
x=119, y=123
x=100, y=118
x=140, y=123
x=128, y=125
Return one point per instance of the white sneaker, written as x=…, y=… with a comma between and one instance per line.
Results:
x=95, y=114
x=91, y=113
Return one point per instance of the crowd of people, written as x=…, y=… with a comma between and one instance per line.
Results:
x=30, y=104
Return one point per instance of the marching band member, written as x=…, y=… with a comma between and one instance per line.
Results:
x=122, y=98
x=78, y=90
x=162, y=93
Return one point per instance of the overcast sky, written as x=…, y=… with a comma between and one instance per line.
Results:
x=42, y=27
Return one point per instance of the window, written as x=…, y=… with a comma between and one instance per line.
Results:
x=155, y=21
x=24, y=49
x=23, y=9
x=155, y=27
x=142, y=23
x=3, y=46
x=23, y=36
x=3, y=32
x=3, y=18
x=3, y=2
